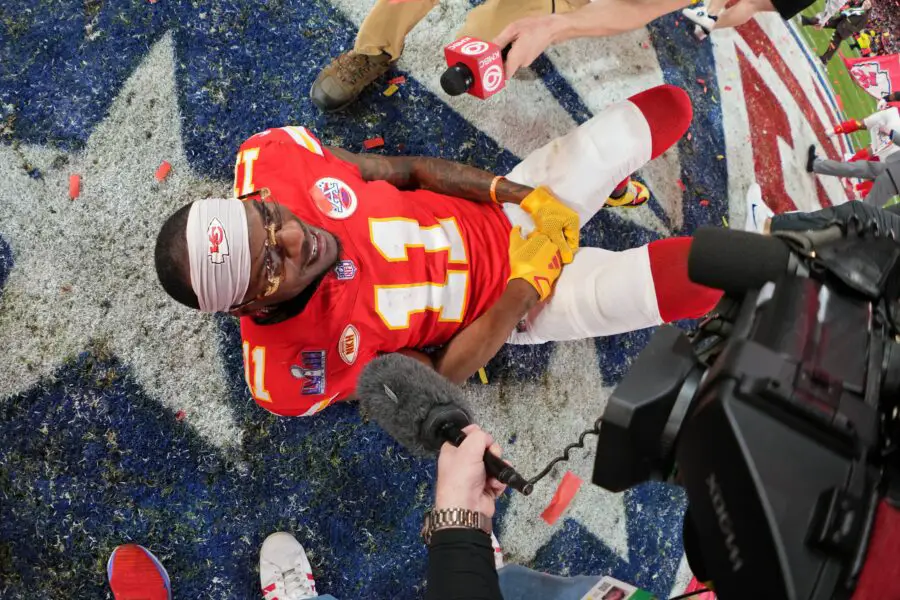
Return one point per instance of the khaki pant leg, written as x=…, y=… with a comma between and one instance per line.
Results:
x=385, y=29
x=485, y=22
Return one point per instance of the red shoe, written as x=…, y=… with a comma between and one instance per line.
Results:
x=135, y=574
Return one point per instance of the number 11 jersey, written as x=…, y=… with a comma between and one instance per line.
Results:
x=415, y=268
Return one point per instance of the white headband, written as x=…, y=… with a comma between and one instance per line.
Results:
x=219, y=251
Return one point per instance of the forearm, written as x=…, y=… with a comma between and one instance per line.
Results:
x=461, y=566
x=434, y=174
x=611, y=17
x=477, y=344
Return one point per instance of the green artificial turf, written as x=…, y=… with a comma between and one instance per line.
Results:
x=857, y=103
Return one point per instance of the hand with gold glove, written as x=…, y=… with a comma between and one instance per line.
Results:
x=535, y=259
x=555, y=220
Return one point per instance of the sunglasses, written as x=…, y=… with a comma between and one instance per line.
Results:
x=273, y=259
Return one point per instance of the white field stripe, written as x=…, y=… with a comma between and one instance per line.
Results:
x=544, y=421
x=85, y=248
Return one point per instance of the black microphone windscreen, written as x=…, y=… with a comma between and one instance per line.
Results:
x=399, y=392
x=735, y=261
x=457, y=79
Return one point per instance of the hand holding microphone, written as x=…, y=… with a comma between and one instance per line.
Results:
x=462, y=480
x=422, y=410
x=475, y=66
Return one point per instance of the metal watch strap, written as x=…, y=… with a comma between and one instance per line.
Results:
x=454, y=518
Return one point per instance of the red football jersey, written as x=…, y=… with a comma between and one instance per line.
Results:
x=415, y=268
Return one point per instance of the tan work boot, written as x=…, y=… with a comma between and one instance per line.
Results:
x=345, y=78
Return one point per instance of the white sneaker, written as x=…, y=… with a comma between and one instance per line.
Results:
x=757, y=211
x=498, y=552
x=700, y=17
x=284, y=570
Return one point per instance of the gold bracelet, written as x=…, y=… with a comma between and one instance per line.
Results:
x=494, y=183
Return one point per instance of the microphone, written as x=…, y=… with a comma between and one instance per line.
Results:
x=422, y=410
x=475, y=66
x=736, y=261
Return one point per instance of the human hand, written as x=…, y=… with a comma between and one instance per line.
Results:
x=529, y=37
x=554, y=219
x=534, y=259
x=462, y=480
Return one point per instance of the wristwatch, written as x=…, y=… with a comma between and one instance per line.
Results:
x=454, y=518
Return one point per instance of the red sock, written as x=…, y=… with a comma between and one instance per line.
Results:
x=668, y=112
x=677, y=296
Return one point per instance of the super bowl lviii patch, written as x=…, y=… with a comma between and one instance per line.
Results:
x=311, y=371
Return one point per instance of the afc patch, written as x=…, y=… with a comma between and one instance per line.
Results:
x=345, y=270
x=348, y=345
x=311, y=371
x=338, y=200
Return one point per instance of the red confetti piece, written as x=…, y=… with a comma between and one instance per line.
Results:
x=179, y=416
x=704, y=89
x=690, y=136
x=645, y=45
x=727, y=88
x=696, y=586
x=840, y=102
x=375, y=142
x=397, y=80
x=704, y=203
x=163, y=171
x=74, y=186
x=563, y=496
x=701, y=81
x=681, y=185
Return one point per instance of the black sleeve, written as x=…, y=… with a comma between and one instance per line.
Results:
x=844, y=215
x=461, y=566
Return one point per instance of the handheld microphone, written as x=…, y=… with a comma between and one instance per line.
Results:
x=422, y=410
x=475, y=66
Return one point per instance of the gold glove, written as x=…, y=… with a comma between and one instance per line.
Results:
x=535, y=259
x=554, y=219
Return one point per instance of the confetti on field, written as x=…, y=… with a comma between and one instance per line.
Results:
x=163, y=171
x=74, y=186
x=690, y=136
x=179, y=416
x=645, y=45
x=704, y=203
x=375, y=142
x=727, y=88
x=725, y=222
x=720, y=157
x=400, y=79
x=839, y=101
x=482, y=375
x=563, y=496
x=391, y=90
x=701, y=81
x=681, y=185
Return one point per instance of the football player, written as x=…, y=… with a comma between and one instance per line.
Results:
x=331, y=258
